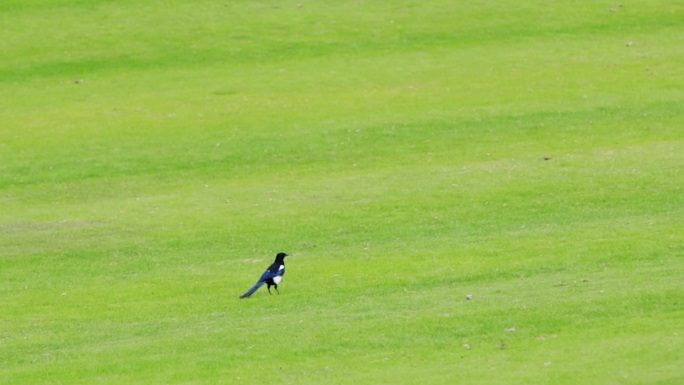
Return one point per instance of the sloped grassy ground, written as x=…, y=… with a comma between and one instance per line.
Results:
x=154, y=156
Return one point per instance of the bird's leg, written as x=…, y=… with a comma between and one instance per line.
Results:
x=269, y=289
x=276, y=287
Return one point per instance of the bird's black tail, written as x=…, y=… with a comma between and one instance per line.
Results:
x=253, y=289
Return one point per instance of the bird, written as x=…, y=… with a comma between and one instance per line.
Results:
x=271, y=277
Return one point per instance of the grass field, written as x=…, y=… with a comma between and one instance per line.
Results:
x=155, y=155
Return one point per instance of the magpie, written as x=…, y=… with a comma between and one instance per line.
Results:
x=271, y=277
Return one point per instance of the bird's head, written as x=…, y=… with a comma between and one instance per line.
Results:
x=281, y=255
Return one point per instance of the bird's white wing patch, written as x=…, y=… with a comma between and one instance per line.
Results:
x=277, y=279
x=281, y=267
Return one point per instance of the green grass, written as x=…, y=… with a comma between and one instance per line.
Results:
x=155, y=155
